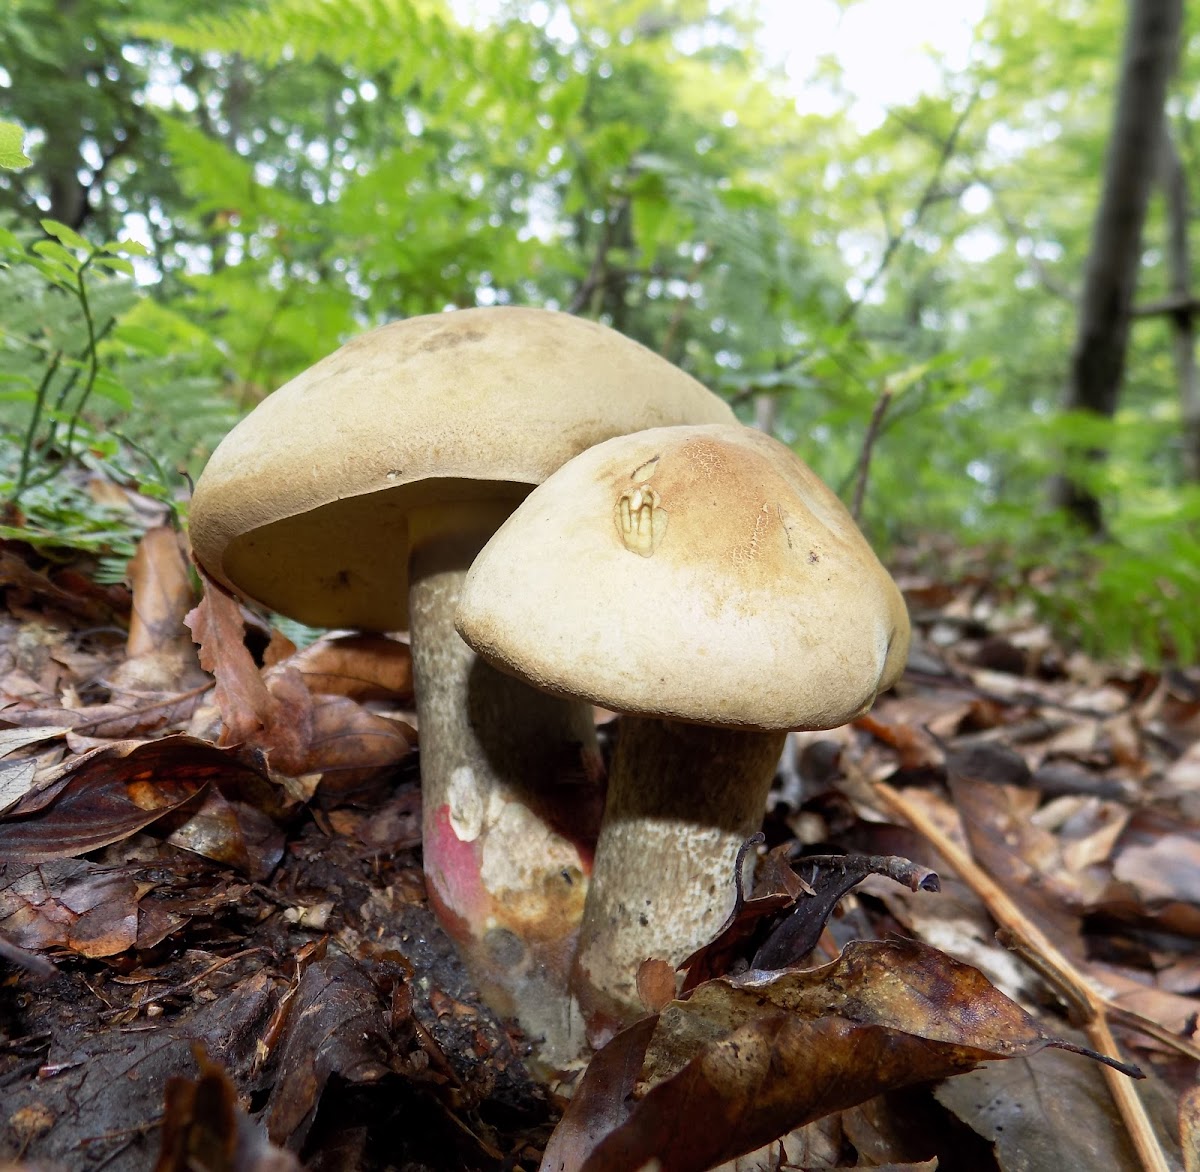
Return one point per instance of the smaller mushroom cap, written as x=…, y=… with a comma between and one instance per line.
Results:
x=696, y=573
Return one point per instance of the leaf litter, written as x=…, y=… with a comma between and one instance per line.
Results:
x=219, y=954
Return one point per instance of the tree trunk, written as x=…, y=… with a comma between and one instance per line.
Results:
x=766, y=412
x=1110, y=278
x=1183, y=323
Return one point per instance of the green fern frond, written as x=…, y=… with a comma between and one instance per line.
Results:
x=218, y=179
x=367, y=34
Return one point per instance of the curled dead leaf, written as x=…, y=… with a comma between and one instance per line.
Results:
x=758, y=1056
x=110, y=793
x=362, y=667
x=276, y=711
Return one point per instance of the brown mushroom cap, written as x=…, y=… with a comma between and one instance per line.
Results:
x=702, y=574
x=306, y=504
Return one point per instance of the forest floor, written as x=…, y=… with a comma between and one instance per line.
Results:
x=217, y=957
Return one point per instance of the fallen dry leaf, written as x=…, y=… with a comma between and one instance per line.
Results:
x=132, y=717
x=757, y=931
x=1045, y=1115
x=275, y=712
x=242, y=697
x=69, y=904
x=1166, y=869
x=335, y=1025
x=232, y=832
x=27, y=586
x=332, y=735
x=112, y=792
x=162, y=595
x=757, y=1056
x=362, y=667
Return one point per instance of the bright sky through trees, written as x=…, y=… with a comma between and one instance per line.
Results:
x=885, y=48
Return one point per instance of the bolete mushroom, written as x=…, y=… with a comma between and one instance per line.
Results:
x=705, y=583
x=358, y=494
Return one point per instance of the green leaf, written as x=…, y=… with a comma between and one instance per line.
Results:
x=67, y=236
x=12, y=141
x=53, y=251
x=118, y=264
x=142, y=338
x=53, y=271
x=109, y=388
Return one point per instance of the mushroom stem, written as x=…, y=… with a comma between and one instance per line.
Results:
x=497, y=764
x=682, y=799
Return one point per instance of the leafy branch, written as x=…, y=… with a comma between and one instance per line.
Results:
x=66, y=260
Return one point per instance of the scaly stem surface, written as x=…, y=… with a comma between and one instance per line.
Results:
x=682, y=799
x=509, y=780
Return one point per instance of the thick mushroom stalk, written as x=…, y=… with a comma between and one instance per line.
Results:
x=506, y=771
x=727, y=598
x=682, y=800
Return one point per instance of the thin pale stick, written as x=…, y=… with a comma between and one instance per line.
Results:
x=1053, y=965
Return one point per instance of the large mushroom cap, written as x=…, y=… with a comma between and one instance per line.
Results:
x=305, y=504
x=703, y=574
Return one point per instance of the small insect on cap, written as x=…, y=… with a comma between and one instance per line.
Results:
x=699, y=573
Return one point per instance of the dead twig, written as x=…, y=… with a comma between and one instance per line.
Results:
x=868, y=445
x=1088, y=1007
x=928, y=198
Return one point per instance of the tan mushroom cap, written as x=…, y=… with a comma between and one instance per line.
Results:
x=703, y=574
x=305, y=505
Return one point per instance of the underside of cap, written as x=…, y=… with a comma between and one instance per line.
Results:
x=703, y=574
x=304, y=506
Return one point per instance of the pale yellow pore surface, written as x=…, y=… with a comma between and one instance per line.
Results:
x=304, y=505
x=703, y=574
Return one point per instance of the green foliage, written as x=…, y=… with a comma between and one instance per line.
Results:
x=88, y=366
x=1137, y=589
x=365, y=34
x=12, y=141
x=303, y=169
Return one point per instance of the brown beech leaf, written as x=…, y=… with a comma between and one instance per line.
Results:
x=600, y=1104
x=162, y=593
x=232, y=832
x=133, y=717
x=276, y=712
x=331, y=735
x=777, y=889
x=69, y=904
x=755, y=1057
x=1167, y=869
x=1042, y=1116
x=828, y=878
x=362, y=667
x=335, y=1025
x=916, y=747
x=109, y=794
x=655, y=984
x=346, y=736
x=27, y=585
x=241, y=695
x=287, y=728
